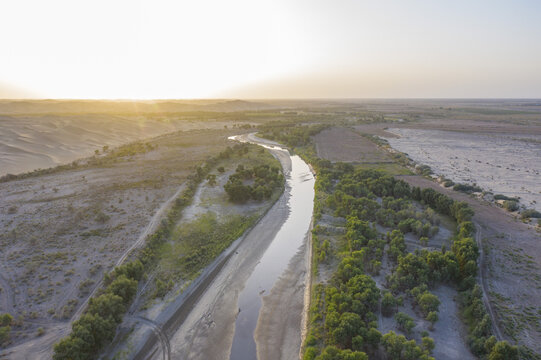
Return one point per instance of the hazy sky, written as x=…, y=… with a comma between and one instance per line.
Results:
x=269, y=49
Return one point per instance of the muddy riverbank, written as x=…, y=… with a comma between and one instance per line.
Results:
x=207, y=331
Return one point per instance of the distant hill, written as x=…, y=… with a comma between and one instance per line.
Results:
x=126, y=106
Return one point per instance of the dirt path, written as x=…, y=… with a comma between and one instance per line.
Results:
x=6, y=294
x=42, y=347
x=484, y=285
x=151, y=227
x=158, y=331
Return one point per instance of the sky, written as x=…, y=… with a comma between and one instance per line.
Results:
x=112, y=49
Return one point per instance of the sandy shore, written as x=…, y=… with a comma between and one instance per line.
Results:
x=278, y=334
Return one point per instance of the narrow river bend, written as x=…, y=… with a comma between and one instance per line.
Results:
x=276, y=258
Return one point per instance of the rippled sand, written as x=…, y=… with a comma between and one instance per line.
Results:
x=42, y=141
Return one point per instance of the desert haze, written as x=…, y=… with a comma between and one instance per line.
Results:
x=270, y=180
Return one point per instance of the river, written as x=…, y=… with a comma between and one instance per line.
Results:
x=276, y=258
x=215, y=317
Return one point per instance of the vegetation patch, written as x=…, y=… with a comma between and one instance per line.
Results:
x=352, y=193
x=265, y=180
x=467, y=188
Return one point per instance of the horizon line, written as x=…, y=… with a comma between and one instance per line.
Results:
x=269, y=98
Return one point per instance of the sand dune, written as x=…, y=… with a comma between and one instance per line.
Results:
x=41, y=141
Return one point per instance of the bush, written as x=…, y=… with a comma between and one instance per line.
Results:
x=432, y=317
x=88, y=336
x=388, y=304
x=405, y=322
x=124, y=287
x=503, y=197
x=310, y=353
x=503, y=351
x=448, y=183
x=107, y=305
x=423, y=170
x=466, y=188
x=428, y=344
x=398, y=347
x=428, y=303
x=5, y=332
x=6, y=319
x=530, y=213
x=510, y=205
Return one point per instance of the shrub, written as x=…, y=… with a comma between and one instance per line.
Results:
x=89, y=334
x=101, y=217
x=428, y=344
x=428, y=302
x=423, y=170
x=266, y=179
x=107, y=305
x=503, y=197
x=398, y=347
x=6, y=319
x=530, y=213
x=466, y=188
x=503, y=351
x=4, y=334
x=510, y=205
x=123, y=287
x=405, y=322
x=448, y=183
x=432, y=317
x=388, y=304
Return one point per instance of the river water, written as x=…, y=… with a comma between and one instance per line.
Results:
x=286, y=243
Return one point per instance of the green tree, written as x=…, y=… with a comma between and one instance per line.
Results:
x=5, y=333
x=95, y=330
x=428, y=302
x=388, y=304
x=399, y=348
x=405, y=322
x=71, y=348
x=107, y=305
x=123, y=287
x=348, y=327
x=432, y=317
x=503, y=351
x=6, y=319
x=428, y=344
x=373, y=337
